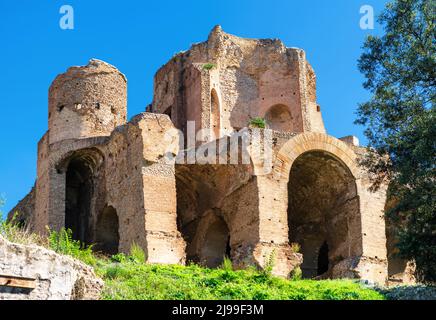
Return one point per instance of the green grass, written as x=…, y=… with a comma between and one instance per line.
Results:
x=14, y=233
x=128, y=277
x=137, y=281
x=62, y=242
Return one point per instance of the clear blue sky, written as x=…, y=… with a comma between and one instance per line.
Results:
x=139, y=36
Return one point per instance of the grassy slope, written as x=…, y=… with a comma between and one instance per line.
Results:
x=133, y=280
x=128, y=277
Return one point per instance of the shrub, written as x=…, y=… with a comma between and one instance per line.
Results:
x=12, y=231
x=295, y=247
x=62, y=242
x=227, y=264
x=119, y=257
x=137, y=254
x=296, y=274
x=269, y=264
x=258, y=122
x=209, y=66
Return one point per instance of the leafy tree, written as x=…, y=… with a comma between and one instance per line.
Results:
x=400, y=72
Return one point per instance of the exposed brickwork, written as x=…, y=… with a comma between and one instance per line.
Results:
x=313, y=193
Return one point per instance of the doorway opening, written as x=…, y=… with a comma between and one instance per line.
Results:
x=323, y=212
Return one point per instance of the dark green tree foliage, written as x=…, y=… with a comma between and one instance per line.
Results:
x=400, y=72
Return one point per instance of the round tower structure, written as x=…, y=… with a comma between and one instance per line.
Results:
x=87, y=101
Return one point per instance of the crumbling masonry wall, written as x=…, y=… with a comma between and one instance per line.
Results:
x=125, y=160
x=249, y=77
x=309, y=206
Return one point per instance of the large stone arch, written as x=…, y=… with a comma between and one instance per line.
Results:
x=211, y=242
x=367, y=256
x=216, y=211
x=83, y=175
x=311, y=141
x=323, y=212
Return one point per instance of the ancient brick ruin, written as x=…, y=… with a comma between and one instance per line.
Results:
x=110, y=182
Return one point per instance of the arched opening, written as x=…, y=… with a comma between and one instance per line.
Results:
x=215, y=114
x=323, y=212
x=216, y=244
x=107, y=235
x=79, y=192
x=203, y=213
x=206, y=234
x=279, y=118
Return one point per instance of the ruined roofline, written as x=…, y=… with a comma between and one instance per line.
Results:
x=265, y=41
x=217, y=31
x=93, y=67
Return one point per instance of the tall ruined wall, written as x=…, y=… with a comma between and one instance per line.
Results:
x=141, y=187
x=40, y=216
x=23, y=211
x=123, y=184
x=88, y=134
x=129, y=175
x=312, y=110
x=374, y=263
x=248, y=76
